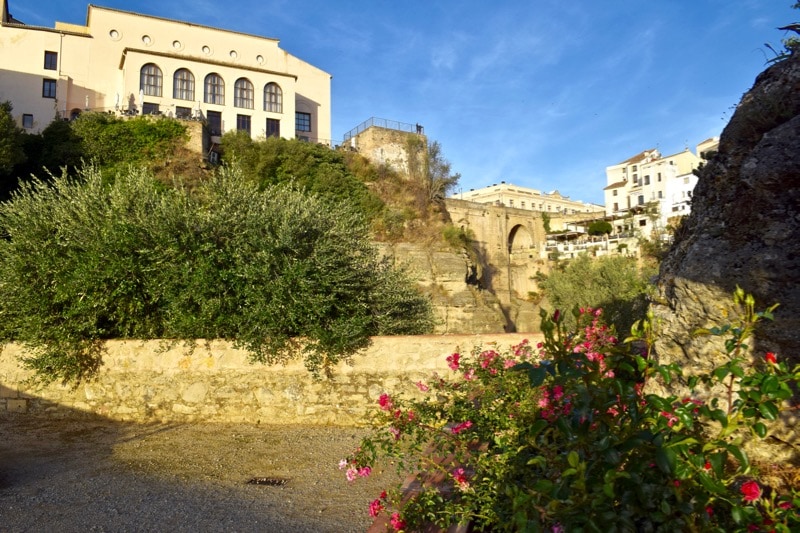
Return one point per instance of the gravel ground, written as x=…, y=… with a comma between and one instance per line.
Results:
x=95, y=475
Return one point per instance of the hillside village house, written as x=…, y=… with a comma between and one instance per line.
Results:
x=129, y=64
x=645, y=191
x=518, y=197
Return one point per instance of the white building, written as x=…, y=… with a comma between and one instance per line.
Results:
x=510, y=195
x=645, y=191
x=128, y=63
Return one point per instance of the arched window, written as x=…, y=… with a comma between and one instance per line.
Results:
x=183, y=85
x=215, y=89
x=243, y=93
x=150, y=80
x=273, y=98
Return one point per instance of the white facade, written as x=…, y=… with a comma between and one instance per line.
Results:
x=646, y=190
x=127, y=63
x=518, y=197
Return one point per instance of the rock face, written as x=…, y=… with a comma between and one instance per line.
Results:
x=744, y=228
x=460, y=306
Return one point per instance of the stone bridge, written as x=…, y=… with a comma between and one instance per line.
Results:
x=511, y=243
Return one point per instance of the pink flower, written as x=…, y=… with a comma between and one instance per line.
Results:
x=375, y=508
x=342, y=464
x=508, y=363
x=770, y=358
x=458, y=428
x=469, y=375
x=751, y=491
x=364, y=471
x=671, y=419
x=460, y=478
x=394, y=431
x=452, y=361
x=385, y=402
x=422, y=387
x=556, y=315
x=383, y=495
x=351, y=473
x=785, y=505
x=397, y=522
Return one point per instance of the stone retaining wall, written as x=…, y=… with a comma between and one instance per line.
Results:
x=144, y=381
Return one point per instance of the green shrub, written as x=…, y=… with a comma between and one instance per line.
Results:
x=114, y=143
x=566, y=437
x=307, y=166
x=83, y=260
x=614, y=283
x=600, y=227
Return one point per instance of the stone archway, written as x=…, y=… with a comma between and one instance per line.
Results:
x=519, y=239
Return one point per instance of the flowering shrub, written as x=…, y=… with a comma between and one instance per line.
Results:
x=564, y=437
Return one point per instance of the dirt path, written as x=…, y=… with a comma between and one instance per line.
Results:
x=97, y=475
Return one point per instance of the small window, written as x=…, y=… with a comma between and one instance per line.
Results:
x=273, y=127
x=243, y=93
x=214, y=122
x=273, y=98
x=51, y=60
x=647, y=180
x=243, y=123
x=614, y=192
x=150, y=80
x=27, y=121
x=511, y=203
x=302, y=121
x=634, y=168
x=659, y=176
x=522, y=205
x=616, y=206
x=149, y=108
x=643, y=222
x=660, y=194
x=640, y=200
x=215, y=89
x=48, y=88
x=183, y=112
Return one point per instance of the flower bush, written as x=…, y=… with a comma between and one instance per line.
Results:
x=563, y=436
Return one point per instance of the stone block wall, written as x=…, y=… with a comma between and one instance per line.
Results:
x=146, y=381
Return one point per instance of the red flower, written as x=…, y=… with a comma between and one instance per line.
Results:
x=385, y=402
x=452, y=361
x=707, y=466
x=751, y=491
x=375, y=508
x=770, y=358
x=397, y=522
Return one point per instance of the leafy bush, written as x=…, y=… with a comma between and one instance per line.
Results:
x=114, y=143
x=307, y=166
x=613, y=283
x=565, y=437
x=82, y=261
x=600, y=227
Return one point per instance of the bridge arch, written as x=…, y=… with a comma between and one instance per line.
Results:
x=519, y=239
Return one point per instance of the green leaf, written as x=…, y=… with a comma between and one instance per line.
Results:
x=537, y=375
x=760, y=429
x=665, y=459
x=573, y=459
x=768, y=410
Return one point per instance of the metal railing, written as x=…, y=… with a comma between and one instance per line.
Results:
x=382, y=123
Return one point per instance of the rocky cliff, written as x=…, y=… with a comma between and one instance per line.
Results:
x=744, y=230
x=461, y=306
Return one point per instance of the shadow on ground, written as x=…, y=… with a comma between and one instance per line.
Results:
x=83, y=472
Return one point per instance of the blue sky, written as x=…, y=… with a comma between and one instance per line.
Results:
x=539, y=93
